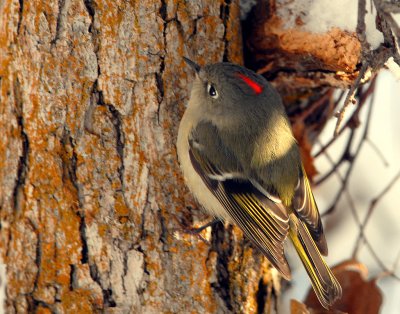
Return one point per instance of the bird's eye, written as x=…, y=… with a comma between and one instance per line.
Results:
x=212, y=91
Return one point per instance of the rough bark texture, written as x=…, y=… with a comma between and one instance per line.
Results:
x=92, y=203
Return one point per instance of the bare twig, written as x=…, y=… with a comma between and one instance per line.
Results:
x=391, y=272
x=265, y=69
x=361, y=33
x=349, y=98
x=378, y=198
x=374, y=202
x=362, y=100
x=373, y=59
x=390, y=7
x=378, y=260
x=360, y=225
x=311, y=108
x=393, y=24
x=346, y=155
x=378, y=152
x=365, y=49
x=362, y=237
x=370, y=62
x=352, y=157
x=386, y=24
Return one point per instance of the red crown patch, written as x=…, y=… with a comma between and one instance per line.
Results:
x=257, y=88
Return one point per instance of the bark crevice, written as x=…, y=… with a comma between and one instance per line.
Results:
x=224, y=15
x=23, y=162
x=82, y=233
x=159, y=75
x=120, y=140
x=61, y=19
x=20, y=14
x=222, y=286
x=261, y=296
x=38, y=262
x=108, y=298
x=90, y=9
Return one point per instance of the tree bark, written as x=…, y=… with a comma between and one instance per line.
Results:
x=93, y=207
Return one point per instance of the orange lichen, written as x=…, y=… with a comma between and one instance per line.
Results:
x=43, y=310
x=77, y=301
x=233, y=39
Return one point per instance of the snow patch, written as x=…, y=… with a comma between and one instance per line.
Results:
x=393, y=67
x=323, y=15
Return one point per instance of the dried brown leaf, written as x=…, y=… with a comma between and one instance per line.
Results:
x=360, y=295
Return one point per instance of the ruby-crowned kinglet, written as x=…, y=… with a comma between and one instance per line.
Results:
x=240, y=160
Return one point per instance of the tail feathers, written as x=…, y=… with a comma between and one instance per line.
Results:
x=325, y=285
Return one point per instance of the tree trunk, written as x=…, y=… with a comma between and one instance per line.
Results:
x=92, y=203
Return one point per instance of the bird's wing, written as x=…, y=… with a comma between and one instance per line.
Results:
x=307, y=210
x=262, y=217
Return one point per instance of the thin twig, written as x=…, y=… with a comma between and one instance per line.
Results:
x=362, y=237
x=390, y=7
x=311, y=108
x=349, y=98
x=394, y=27
x=361, y=226
x=345, y=157
x=392, y=272
x=362, y=100
x=393, y=24
x=372, y=59
x=352, y=157
x=361, y=32
x=358, y=222
x=377, y=259
x=378, y=152
x=365, y=50
x=390, y=31
x=372, y=205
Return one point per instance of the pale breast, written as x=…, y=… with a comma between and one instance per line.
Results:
x=195, y=183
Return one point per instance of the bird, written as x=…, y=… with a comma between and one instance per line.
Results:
x=241, y=162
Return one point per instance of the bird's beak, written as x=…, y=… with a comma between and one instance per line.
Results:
x=192, y=64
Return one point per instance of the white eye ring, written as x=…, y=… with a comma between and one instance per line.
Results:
x=212, y=91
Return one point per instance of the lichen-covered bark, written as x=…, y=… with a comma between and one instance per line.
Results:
x=92, y=203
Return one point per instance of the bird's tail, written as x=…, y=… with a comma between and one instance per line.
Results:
x=325, y=285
